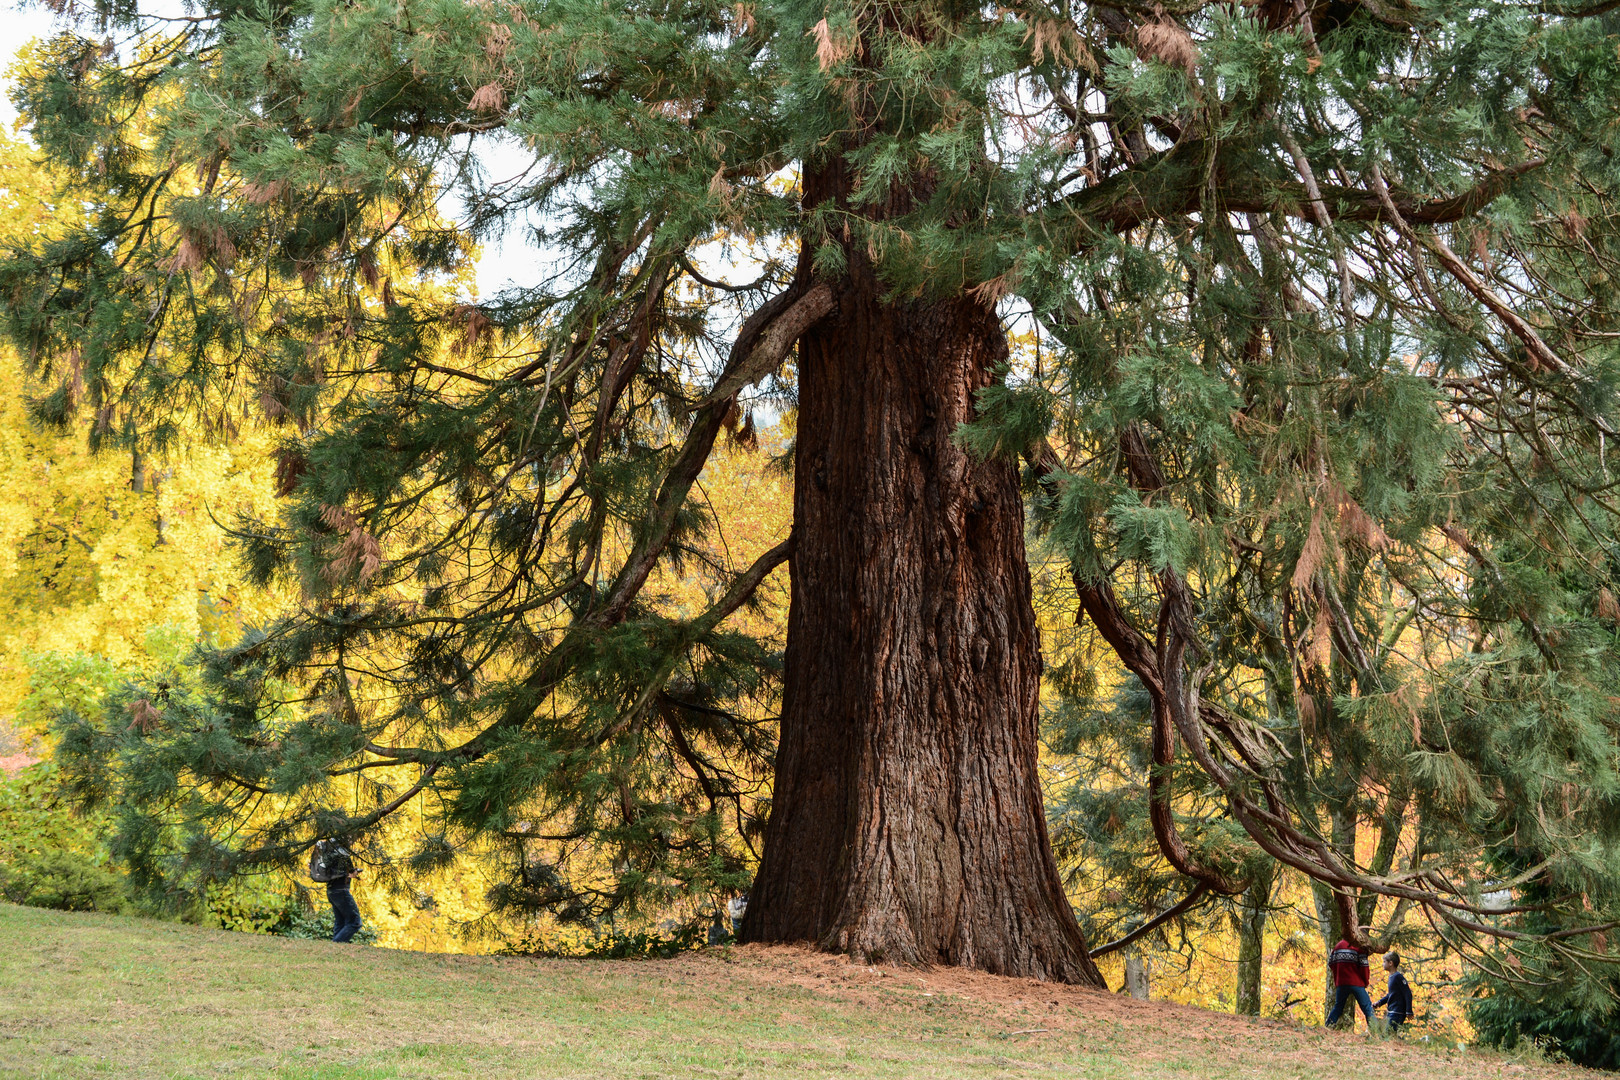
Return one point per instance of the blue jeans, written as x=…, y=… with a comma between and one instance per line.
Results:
x=345, y=912
x=1395, y=1020
x=1341, y=995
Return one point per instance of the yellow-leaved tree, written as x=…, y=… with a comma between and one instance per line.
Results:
x=115, y=565
x=110, y=563
x=111, y=554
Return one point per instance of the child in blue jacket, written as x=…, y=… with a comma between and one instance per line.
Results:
x=1399, y=997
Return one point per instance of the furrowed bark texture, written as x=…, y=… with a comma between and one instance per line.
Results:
x=907, y=821
x=1256, y=905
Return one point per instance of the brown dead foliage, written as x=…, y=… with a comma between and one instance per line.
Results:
x=1058, y=39
x=489, y=98
x=474, y=325
x=1166, y=40
x=357, y=550
x=1310, y=554
x=832, y=48
x=146, y=717
x=1607, y=608
x=260, y=194
x=290, y=465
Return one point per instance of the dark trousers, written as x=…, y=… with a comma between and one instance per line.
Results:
x=345, y=912
x=1343, y=994
x=1395, y=1020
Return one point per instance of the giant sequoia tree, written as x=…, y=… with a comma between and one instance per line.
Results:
x=1238, y=228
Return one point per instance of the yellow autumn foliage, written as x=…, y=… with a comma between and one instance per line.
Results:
x=99, y=551
x=128, y=560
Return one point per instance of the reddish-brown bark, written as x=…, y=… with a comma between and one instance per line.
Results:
x=907, y=822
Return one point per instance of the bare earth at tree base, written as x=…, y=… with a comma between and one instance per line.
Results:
x=91, y=995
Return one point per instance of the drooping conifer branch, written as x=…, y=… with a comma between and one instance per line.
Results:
x=1181, y=907
x=1273, y=825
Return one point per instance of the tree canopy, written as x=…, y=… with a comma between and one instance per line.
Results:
x=1317, y=409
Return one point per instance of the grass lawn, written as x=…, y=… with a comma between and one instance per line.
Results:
x=94, y=995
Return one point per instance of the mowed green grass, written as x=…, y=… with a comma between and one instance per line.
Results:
x=92, y=995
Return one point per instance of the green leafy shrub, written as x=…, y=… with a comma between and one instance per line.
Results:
x=52, y=856
x=65, y=881
x=318, y=926
x=252, y=906
x=35, y=817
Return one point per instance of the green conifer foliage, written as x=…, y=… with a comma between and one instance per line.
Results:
x=1308, y=470
x=1571, y=1024
x=1322, y=423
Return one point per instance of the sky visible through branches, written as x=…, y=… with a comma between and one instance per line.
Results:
x=509, y=260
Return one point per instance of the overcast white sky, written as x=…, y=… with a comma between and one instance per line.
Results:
x=22, y=24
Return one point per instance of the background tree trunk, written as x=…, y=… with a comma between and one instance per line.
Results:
x=908, y=823
x=1252, y=912
x=1136, y=976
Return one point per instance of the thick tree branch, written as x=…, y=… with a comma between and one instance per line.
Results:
x=762, y=340
x=1162, y=671
x=768, y=345
x=741, y=589
x=1176, y=182
x=1190, y=901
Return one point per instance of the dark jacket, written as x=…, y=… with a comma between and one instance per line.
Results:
x=335, y=863
x=1399, y=996
x=1348, y=964
x=342, y=867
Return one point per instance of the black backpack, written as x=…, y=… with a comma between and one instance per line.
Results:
x=329, y=862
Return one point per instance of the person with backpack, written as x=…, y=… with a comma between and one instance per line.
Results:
x=1399, y=997
x=332, y=864
x=1349, y=967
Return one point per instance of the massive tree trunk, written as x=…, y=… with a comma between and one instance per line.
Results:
x=907, y=822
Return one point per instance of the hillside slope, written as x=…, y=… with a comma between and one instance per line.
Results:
x=91, y=995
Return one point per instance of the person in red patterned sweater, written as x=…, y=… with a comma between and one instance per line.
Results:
x=1349, y=967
